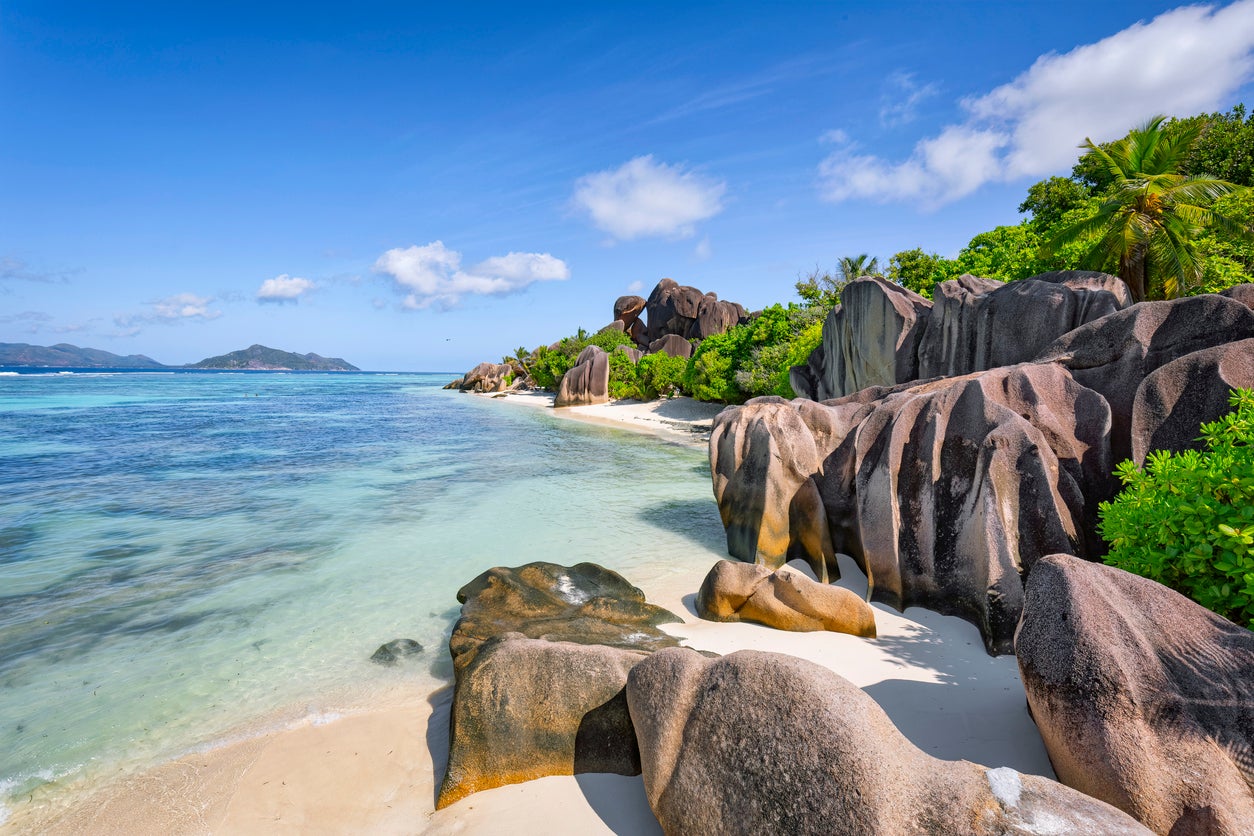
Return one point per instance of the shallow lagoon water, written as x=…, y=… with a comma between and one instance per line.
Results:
x=184, y=555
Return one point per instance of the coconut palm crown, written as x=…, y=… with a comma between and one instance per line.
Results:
x=1148, y=221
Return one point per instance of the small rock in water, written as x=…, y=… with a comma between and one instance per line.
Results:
x=395, y=650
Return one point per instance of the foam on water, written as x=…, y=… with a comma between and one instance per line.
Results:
x=183, y=556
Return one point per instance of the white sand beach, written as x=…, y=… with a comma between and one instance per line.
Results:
x=376, y=771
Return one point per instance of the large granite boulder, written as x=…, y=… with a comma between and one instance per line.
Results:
x=617, y=325
x=1114, y=354
x=633, y=353
x=977, y=324
x=487, y=377
x=683, y=311
x=870, y=339
x=627, y=309
x=1243, y=293
x=672, y=344
x=1174, y=401
x=784, y=599
x=757, y=743
x=541, y=655
x=715, y=317
x=588, y=381
x=1143, y=698
x=764, y=456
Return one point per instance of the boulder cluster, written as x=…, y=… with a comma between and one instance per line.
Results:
x=961, y=441
x=670, y=321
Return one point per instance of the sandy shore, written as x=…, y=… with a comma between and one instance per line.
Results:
x=678, y=419
x=377, y=771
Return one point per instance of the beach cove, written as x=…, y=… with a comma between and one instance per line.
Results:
x=340, y=744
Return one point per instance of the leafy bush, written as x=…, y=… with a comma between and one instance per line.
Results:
x=550, y=364
x=753, y=359
x=1187, y=519
x=661, y=375
x=624, y=378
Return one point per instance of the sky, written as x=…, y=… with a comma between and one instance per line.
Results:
x=422, y=186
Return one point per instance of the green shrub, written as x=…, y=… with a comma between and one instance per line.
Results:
x=1187, y=519
x=624, y=378
x=753, y=359
x=661, y=375
x=550, y=364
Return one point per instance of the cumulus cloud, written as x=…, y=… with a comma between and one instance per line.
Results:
x=643, y=198
x=433, y=275
x=183, y=307
x=1182, y=62
x=284, y=288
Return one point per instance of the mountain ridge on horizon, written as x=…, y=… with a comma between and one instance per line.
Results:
x=255, y=357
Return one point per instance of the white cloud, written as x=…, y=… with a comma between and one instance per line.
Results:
x=635, y=287
x=183, y=307
x=1182, y=62
x=432, y=274
x=284, y=288
x=901, y=99
x=703, y=250
x=645, y=199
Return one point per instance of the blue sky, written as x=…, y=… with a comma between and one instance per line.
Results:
x=420, y=187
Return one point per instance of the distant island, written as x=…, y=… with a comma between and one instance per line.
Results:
x=255, y=357
x=259, y=357
x=71, y=356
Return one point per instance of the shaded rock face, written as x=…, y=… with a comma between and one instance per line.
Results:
x=1243, y=293
x=977, y=324
x=946, y=492
x=764, y=743
x=634, y=353
x=588, y=381
x=627, y=309
x=486, y=377
x=616, y=325
x=784, y=599
x=673, y=345
x=1143, y=698
x=541, y=655
x=870, y=339
x=1113, y=355
x=1173, y=402
x=686, y=312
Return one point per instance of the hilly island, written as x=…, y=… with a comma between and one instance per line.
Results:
x=253, y=358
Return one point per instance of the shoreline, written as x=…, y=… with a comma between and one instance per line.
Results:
x=377, y=770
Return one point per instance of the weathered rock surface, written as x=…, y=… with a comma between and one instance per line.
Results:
x=683, y=311
x=1243, y=293
x=455, y=384
x=634, y=353
x=764, y=743
x=392, y=652
x=1114, y=354
x=784, y=599
x=946, y=492
x=714, y=317
x=486, y=377
x=541, y=655
x=1173, y=402
x=977, y=324
x=616, y=325
x=1143, y=698
x=870, y=339
x=627, y=309
x=588, y=381
x=673, y=345
x=763, y=460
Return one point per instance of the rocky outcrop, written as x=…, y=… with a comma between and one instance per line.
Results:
x=1143, y=698
x=673, y=345
x=1114, y=354
x=389, y=653
x=784, y=599
x=1173, y=402
x=977, y=324
x=1243, y=293
x=541, y=654
x=870, y=339
x=627, y=309
x=487, y=377
x=683, y=311
x=946, y=492
x=764, y=743
x=587, y=382
x=634, y=353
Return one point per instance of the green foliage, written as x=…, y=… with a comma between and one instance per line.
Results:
x=1006, y=253
x=919, y=271
x=624, y=378
x=548, y=365
x=661, y=375
x=1050, y=199
x=753, y=359
x=822, y=289
x=1187, y=519
x=1225, y=149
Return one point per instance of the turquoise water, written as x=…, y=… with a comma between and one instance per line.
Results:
x=182, y=555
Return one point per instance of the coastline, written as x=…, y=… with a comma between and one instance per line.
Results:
x=376, y=769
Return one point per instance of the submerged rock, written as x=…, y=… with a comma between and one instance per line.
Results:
x=541, y=655
x=1144, y=699
x=395, y=650
x=756, y=743
x=784, y=599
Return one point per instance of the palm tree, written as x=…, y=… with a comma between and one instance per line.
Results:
x=856, y=267
x=1151, y=216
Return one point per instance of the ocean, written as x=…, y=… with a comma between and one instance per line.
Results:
x=187, y=558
